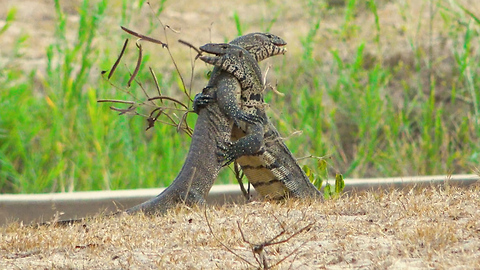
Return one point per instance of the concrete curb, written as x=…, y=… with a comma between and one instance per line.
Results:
x=43, y=207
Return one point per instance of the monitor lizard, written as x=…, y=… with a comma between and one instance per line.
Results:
x=213, y=127
x=266, y=161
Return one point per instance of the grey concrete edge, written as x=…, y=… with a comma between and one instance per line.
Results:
x=29, y=208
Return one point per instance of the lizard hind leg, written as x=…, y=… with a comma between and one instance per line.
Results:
x=248, y=145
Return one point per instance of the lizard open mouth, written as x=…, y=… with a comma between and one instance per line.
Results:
x=281, y=48
x=261, y=45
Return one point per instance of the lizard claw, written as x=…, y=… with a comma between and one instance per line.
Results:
x=251, y=118
x=200, y=101
x=227, y=154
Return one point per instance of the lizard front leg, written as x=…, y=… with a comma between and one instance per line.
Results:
x=201, y=100
x=228, y=105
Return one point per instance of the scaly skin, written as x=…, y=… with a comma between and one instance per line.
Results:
x=236, y=60
x=213, y=127
x=266, y=161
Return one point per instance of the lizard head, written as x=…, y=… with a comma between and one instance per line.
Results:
x=219, y=48
x=224, y=51
x=257, y=45
x=261, y=45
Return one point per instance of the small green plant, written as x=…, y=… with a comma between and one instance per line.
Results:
x=238, y=23
x=320, y=175
x=9, y=19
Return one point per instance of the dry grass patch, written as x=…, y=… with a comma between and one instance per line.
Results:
x=424, y=228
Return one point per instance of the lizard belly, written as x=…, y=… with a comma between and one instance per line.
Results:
x=261, y=178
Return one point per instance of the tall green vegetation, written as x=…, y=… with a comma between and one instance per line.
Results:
x=377, y=112
x=56, y=137
x=369, y=107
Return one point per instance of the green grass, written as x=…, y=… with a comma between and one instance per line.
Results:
x=350, y=109
x=371, y=112
x=61, y=139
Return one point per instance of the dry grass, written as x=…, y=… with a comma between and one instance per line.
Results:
x=428, y=228
x=417, y=228
x=405, y=126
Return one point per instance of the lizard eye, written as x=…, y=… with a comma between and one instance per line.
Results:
x=240, y=54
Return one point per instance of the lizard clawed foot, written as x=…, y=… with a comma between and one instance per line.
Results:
x=227, y=154
x=251, y=118
x=200, y=101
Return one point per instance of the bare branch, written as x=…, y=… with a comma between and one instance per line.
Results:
x=265, y=75
x=124, y=90
x=290, y=254
x=241, y=233
x=239, y=176
x=114, y=67
x=171, y=29
x=171, y=99
x=157, y=111
x=124, y=111
x=293, y=235
x=137, y=67
x=328, y=156
x=269, y=86
x=115, y=101
x=191, y=46
x=221, y=243
x=149, y=39
x=151, y=120
x=156, y=82
x=184, y=121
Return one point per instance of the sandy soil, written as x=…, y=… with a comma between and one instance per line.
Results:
x=199, y=22
x=414, y=229
x=433, y=228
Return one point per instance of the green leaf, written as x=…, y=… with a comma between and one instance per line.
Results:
x=238, y=24
x=339, y=183
x=477, y=20
x=327, y=191
x=309, y=174
x=322, y=169
x=8, y=21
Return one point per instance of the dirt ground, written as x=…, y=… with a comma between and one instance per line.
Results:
x=432, y=228
x=435, y=228
x=199, y=23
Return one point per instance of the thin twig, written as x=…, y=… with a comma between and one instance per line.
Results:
x=221, y=243
x=124, y=111
x=183, y=121
x=133, y=33
x=124, y=90
x=169, y=52
x=191, y=46
x=290, y=254
x=114, y=67
x=169, y=98
x=315, y=157
x=258, y=249
x=267, y=85
x=137, y=67
x=116, y=101
x=151, y=120
x=156, y=82
x=239, y=176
